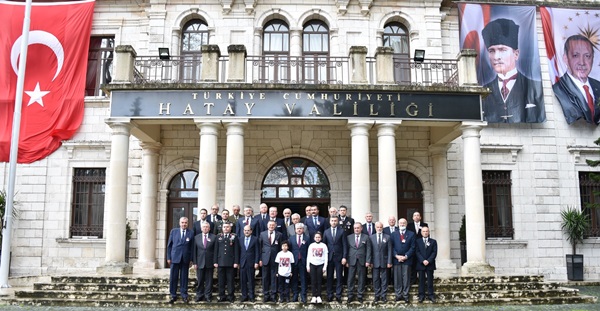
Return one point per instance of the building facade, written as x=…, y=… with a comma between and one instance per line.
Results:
x=241, y=107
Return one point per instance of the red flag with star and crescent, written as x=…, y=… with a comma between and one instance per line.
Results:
x=54, y=89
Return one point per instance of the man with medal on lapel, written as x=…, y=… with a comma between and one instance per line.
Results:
x=403, y=242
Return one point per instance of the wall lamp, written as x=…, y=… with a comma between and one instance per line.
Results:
x=163, y=53
x=419, y=56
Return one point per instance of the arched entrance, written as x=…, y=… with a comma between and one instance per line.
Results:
x=410, y=195
x=182, y=201
x=295, y=183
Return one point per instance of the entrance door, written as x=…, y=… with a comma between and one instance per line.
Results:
x=182, y=201
x=410, y=195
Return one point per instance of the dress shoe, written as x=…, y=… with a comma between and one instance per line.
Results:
x=198, y=299
x=295, y=298
x=406, y=300
x=232, y=299
x=421, y=299
x=185, y=300
x=221, y=300
x=330, y=298
x=350, y=299
x=303, y=299
x=252, y=300
x=398, y=298
x=339, y=299
x=208, y=300
x=360, y=299
x=432, y=299
x=172, y=301
x=243, y=299
x=383, y=299
x=376, y=299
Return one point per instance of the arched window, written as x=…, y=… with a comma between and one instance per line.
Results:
x=395, y=36
x=410, y=195
x=194, y=36
x=315, y=50
x=276, y=51
x=295, y=183
x=183, y=198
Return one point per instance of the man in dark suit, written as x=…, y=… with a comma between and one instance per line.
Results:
x=203, y=253
x=262, y=217
x=179, y=255
x=382, y=260
x=227, y=257
x=235, y=215
x=270, y=241
x=346, y=222
x=426, y=249
x=291, y=229
x=359, y=254
x=403, y=242
x=248, y=220
x=515, y=98
x=299, y=247
x=315, y=223
x=279, y=224
x=333, y=212
x=369, y=226
x=225, y=219
x=307, y=214
x=389, y=230
x=249, y=257
x=287, y=218
x=214, y=215
x=577, y=93
x=415, y=227
x=335, y=239
x=203, y=214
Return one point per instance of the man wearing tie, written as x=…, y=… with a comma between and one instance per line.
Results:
x=287, y=218
x=235, y=214
x=382, y=260
x=291, y=229
x=214, y=215
x=335, y=239
x=415, y=227
x=359, y=253
x=248, y=220
x=179, y=253
x=315, y=223
x=202, y=218
x=403, y=242
x=227, y=257
x=369, y=226
x=270, y=241
x=389, y=231
x=279, y=225
x=299, y=247
x=203, y=253
x=426, y=249
x=263, y=217
x=249, y=257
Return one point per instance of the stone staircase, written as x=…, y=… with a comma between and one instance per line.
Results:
x=129, y=291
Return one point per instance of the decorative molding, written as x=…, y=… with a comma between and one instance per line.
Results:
x=226, y=4
x=250, y=5
x=577, y=150
x=512, y=149
x=507, y=242
x=71, y=145
x=342, y=6
x=365, y=6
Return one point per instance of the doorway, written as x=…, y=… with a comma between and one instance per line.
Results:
x=410, y=195
x=182, y=202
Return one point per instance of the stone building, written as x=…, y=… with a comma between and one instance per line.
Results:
x=297, y=103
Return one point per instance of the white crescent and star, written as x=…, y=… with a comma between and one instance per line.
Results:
x=49, y=40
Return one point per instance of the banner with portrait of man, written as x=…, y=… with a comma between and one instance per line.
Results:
x=508, y=61
x=572, y=36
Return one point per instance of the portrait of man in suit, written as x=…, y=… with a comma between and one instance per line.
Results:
x=299, y=242
x=203, y=253
x=403, y=242
x=576, y=92
x=248, y=220
x=179, y=256
x=515, y=98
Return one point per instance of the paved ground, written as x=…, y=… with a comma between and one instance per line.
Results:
x=585, y=290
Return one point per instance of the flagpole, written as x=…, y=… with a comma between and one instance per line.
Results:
x=14, y=148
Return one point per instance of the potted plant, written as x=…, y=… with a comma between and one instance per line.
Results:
x=15, y=213
x=462, y=236
x=128, y=234
x=575, y=224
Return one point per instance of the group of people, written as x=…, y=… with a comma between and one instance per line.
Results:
x=289, y=252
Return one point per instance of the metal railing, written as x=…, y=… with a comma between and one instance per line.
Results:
x=301, y=70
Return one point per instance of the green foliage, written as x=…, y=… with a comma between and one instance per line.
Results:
x=128, y=232
x=15, y=211
x=595, y=177
x=575, y=224
x=462, y=232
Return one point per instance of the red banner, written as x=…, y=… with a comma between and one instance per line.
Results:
x=52, y=107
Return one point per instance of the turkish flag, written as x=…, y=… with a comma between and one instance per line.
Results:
x=52, y=107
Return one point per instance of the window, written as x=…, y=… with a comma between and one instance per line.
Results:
x=395, y=36
x=87, y=216
x=194, y=36
x=100, y=65
x=497, y=204
x=410, y=194
x=315, y=50
x=276, y=49
x=589, y=190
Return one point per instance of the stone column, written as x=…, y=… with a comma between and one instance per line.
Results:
x=388, y=196
x=147, y=224
x=115, y=205
x=237, y=63
x=210, y=63
x=361, y=188
x=207, y=164
x=475, y=222
x=467, y=69
x=234, y=166
x=124, y=64
x=441, y=231
x=384, y=59
x=358, y=62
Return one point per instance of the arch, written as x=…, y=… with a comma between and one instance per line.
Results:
x=190, y=14
x=267, y=160
x=271, y=14
x=319, y=15
x=175, y=167
x=402, y=18
x=416, y=168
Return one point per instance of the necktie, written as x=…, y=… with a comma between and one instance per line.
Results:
x=379, y=238
x=247, y=242
x=315, y=221
x=299, y=245
x=271, y=237
x=333, y=233
x=504, y=90
x=357, y=240
x=369, y=226
x=287, y=222
x=205, y=241
x=182, y=234
x=392, y=229
x=590, y=101
x=246, y=221
x=402, y=235
x=425, y=242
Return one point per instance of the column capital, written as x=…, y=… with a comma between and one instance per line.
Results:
x=470, y=129
x=150, y=147
x=387, y=129
x=359, y=128
x=208, y=127
x=438, y=150
x=120, y=126
x=235, y=128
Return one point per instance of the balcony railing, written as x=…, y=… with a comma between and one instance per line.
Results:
x=317, y=69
